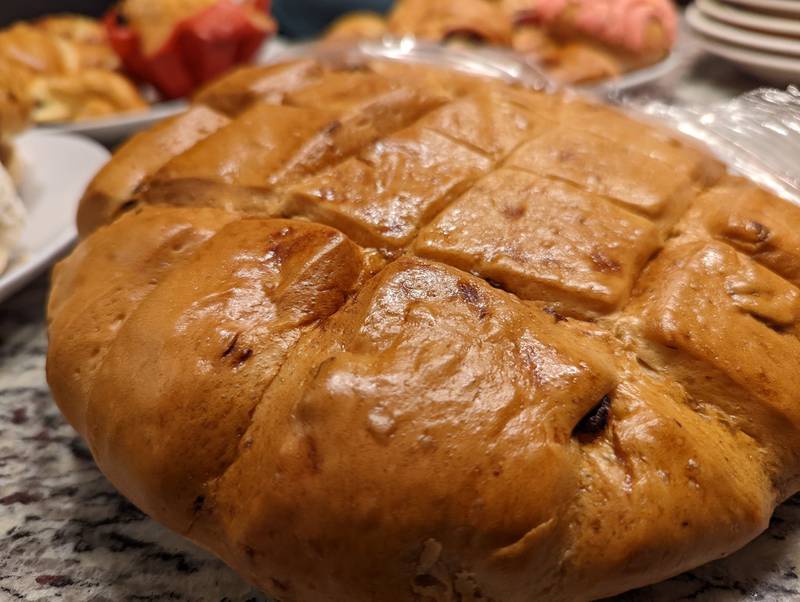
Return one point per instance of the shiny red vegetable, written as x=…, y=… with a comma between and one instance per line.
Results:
x=199, y=49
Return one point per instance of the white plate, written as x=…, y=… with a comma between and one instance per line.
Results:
x=791, y=7
x=742, y=17
x=640, y=77
x=111, y=130
x=780, y=70
x=680, y=55
x=56, y=169
x=742, y=37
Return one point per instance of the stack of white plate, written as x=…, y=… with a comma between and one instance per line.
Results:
x=761, y=36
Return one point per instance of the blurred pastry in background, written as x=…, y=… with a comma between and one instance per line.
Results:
x=574, y=41
x=178, y=45
x=32, y=49
x=61, y=69
x=87, y=94
x=14, y=118
x=585, y=40
x=87, y=37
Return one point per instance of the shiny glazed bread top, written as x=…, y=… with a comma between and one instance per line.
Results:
x=394, y=333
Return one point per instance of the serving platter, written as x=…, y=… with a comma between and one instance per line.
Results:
x=638, y=77
x=779, y=70
x=56, y=169
x=788, y=26
x=110, y=130
x=741, y=37
x=789, y=7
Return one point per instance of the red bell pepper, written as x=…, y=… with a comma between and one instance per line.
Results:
x=200, y=48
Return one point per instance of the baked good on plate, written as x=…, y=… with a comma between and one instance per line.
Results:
x=91, y=93
x=65, y=68
x=14, y=118
x=574, y=41
x=588, y=40
x=392, y=333
x=62, y=69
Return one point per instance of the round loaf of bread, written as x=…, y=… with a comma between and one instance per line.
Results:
x=390, y=333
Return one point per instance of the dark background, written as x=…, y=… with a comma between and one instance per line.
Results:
x=14, y=10
x=304, y=18
x=298, y=18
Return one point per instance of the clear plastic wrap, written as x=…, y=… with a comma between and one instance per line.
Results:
x=487, y=62
x=757, y=135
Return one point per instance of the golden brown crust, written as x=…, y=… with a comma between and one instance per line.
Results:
x=236, y=91
x=742, y=215
x=544, y=240
x=146, y=246
x=236, y=309
x=139, y=158
x=270, y=146
x=381, y=197
x=642, y=184
x=14, y=104
x=367, y=343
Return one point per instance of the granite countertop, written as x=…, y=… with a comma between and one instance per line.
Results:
x=65, y=534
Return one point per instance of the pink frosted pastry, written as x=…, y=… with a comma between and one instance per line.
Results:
x=636, y=26
x=443, y=20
